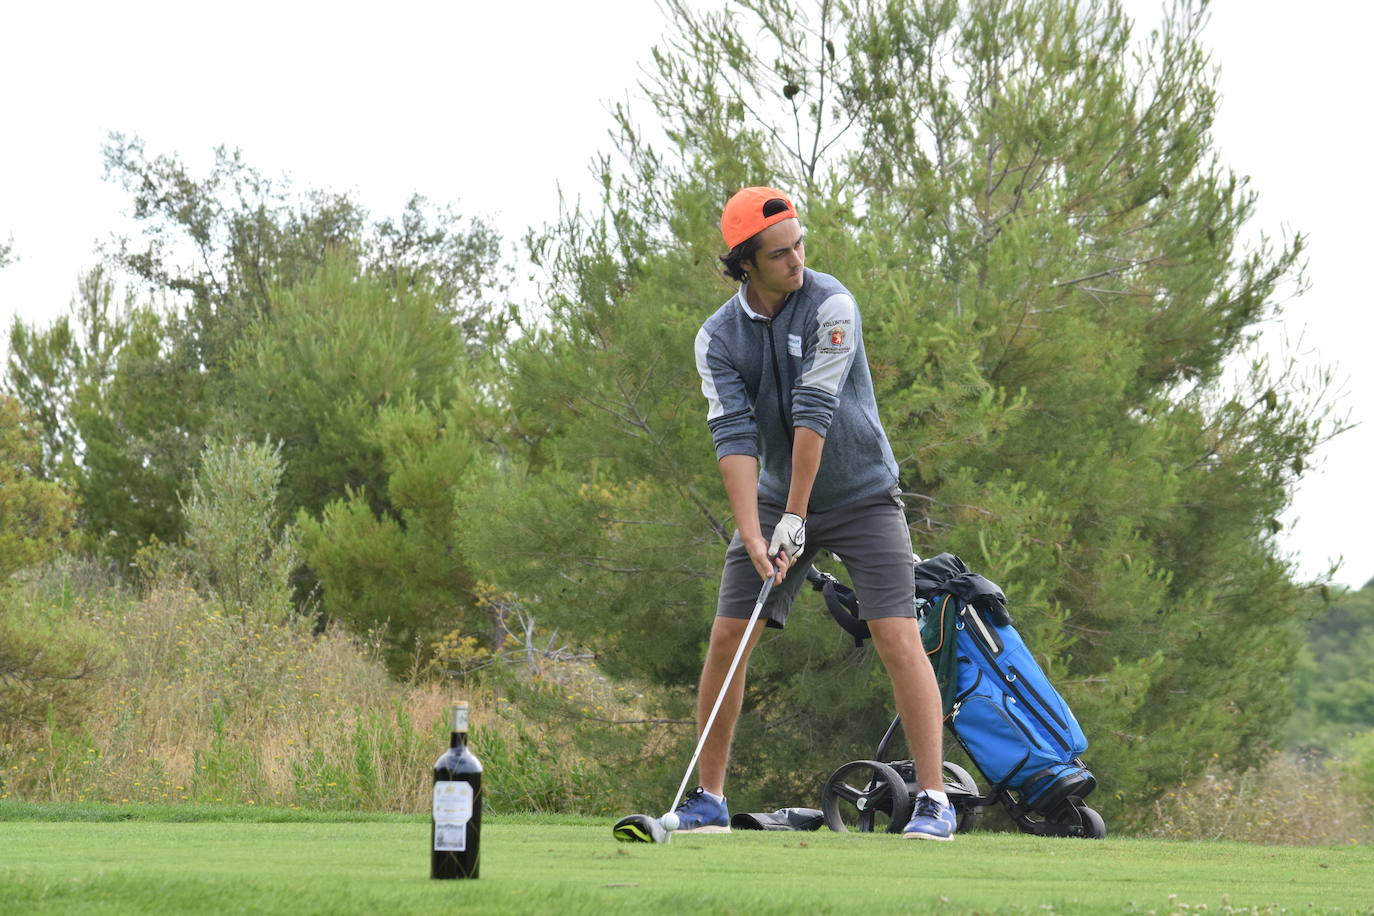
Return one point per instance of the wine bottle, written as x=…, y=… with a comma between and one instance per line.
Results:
x=456, y=821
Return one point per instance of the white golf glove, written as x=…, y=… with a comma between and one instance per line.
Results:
x=789, y=536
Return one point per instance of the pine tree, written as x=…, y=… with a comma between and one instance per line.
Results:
x=1044, y=245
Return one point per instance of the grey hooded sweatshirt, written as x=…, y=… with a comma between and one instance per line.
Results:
x=804, y=367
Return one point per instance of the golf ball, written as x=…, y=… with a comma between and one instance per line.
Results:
x=669, y=821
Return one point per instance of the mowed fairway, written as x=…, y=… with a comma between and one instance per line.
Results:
x=568, y=865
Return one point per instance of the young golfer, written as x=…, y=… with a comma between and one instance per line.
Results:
x=806, y=466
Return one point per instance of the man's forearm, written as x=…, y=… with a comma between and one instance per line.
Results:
x=807, y=445
x=741, y=476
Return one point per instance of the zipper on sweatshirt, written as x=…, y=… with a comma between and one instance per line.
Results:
x=777, y=379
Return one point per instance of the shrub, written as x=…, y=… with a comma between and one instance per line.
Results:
x=236, y=549
x=46, y=661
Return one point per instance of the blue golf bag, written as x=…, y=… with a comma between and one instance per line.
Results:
x=1008, y=716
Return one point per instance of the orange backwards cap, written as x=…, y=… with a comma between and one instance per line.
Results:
x=743, y=214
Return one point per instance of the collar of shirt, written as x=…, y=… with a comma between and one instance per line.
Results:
x=743, y=297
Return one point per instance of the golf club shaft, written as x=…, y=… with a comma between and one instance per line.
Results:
x=729, y=675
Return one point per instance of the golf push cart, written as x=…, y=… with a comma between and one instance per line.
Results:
x=999, y=706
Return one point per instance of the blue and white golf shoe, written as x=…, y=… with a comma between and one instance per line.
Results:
x=931, y=820
x=700, y=814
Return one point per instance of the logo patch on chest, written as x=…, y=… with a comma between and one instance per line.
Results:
x=794, y=345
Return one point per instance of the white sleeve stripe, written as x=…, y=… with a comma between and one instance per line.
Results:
x=708, y=383
x=829, y=363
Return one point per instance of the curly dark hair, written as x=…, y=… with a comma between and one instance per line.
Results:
x=733, y=261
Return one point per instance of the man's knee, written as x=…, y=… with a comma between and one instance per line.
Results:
x=727, y=628
x=895, y=631
x=898, y=639
x=726, y=632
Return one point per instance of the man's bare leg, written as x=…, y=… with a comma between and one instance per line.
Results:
x=715, y=754
x=916, y=692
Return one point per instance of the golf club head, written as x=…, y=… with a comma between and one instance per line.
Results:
x=639, y=828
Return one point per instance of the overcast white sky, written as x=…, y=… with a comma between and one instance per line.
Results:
x=494, y=106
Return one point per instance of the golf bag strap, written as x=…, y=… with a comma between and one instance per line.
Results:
x=844, y=607
x=841, y=603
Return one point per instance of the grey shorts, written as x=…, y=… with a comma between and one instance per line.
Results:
x=871, y=538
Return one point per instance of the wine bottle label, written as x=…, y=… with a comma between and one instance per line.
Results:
x=452, y=802
x=450, y=837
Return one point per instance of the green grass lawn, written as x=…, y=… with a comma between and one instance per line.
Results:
x=113, y=860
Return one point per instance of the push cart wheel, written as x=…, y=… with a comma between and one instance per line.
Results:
x=961, y=789
x=1075, y=814
x=1094, y=827
x=864, y=795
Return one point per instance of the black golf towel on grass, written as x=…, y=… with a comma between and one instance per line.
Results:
x=781, y=819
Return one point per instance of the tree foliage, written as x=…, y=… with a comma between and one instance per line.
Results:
x=36, y=516
x=236, y=547
x=44, y=655
x=283, y=317
x=402, y=571
x=47, y=656
x=1045, y=245
x=338, y=347
x=129, y=395
x=1333, y=692
x=122, y=413
x=373, y=390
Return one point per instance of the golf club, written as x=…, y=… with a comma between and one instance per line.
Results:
x=640, y=828
x=725, y=685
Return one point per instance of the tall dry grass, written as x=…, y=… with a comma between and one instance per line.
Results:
x=1285, y=800
x=208, y=707
x=204, y=706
